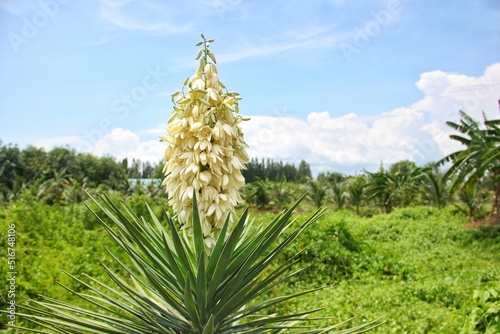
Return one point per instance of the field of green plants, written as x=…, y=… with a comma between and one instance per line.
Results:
x=416, y=246
x=425, y=270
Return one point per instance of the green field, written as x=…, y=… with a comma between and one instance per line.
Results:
x=425, y=270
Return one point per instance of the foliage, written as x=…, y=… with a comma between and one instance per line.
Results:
x=316, y=192
x=30, y=172
x=10, y=165
x=379, y=188
x=418, y=266
x=58, y=177
x=143, y=169
x=472, y=201
x=176, y=286
x=54, y=172
x=329, y=253
x=407, y=180
x=206, y=278
x=281, y=194
x=275, y=171
x=433, y=191
x=50, y=239
x=303, y=172
x=479, y=157
x=485, y=314
x=339, y=194
x=356, y=190
x=331, y=177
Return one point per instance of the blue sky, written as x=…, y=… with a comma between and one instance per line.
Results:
x=343, y=84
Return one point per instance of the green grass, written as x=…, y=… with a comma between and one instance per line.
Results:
x=418, y=267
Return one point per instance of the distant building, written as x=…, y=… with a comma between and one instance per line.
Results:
x=144, y=182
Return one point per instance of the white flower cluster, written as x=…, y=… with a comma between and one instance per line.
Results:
x=206, y=150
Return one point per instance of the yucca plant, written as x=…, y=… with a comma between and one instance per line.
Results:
x=176, y=286
x=206, y=150
x=210, y=275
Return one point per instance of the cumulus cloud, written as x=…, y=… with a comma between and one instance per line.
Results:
x=349, y=143
x=344, y=143
x=447, y=93
x=118, y=143
x=122, y=144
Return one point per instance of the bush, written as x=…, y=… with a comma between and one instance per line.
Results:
x=420, y=267
x=484, y=316
x=329, y=252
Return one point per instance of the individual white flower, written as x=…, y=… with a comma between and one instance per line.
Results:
x=206, y=150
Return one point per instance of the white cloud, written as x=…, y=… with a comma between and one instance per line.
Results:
x=122, y=144
x=148, y=16
x=347, y=143
x=350, y=142
x=447, y=93
x=311, y=40
x=49, y=143
x=342, y=143
x=118, y=143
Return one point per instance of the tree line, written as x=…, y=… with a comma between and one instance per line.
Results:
x=268, y=169
x=470, y=179
x=61, y=174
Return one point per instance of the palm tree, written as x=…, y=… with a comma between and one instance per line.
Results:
x=471, y=201
x=407, y=180
x=339, y=194
x=433, y=188
x=53, y=190
x=380, y=188
x=281, y=193
x=480, y=157
x=259, y=193
x=317, y=192
x=356, y=190
x=492, y=159
x=155, y=189
x=74, y=192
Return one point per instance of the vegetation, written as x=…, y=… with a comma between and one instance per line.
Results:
x=471, y=183
x=425, y=269
x=479, y=157
x=194, y=273
x=60, y=175
x=275, y=171
x=175, y=286
x=410, y=243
